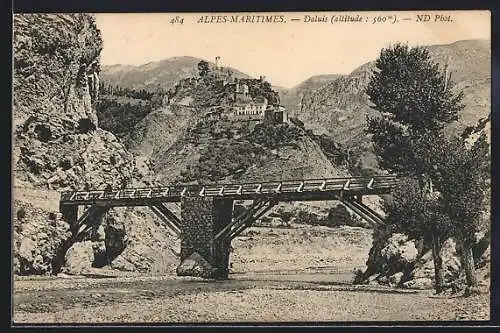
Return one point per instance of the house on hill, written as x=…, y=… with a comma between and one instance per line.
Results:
x=237, y=104
x=243, y=109
x=241, y=93
x=258, y=110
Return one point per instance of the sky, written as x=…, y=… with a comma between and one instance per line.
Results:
x=286, y=53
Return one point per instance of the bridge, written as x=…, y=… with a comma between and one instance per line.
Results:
x=207, y=221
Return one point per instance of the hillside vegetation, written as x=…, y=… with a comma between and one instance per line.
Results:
x=217, y=151
x=120, y=109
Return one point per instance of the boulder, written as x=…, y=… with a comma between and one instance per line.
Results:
x=398, y=254
x=26, y=250
x=40, y=265
x=396, y=278
x=409, y=264
x=123, y=264
x=195, y=265
x=136, y=240
x=116, y=238
x=37, y=238
x=78, y=258
x=420, y=283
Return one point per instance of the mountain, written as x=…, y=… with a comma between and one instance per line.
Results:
x=165, y=73
x=339, y=106
x=344, y=97
x=470, y=64
x=291, y=98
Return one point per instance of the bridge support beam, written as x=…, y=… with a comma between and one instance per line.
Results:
x=69, y=213
x=171, y=221
x=201, y=254
x=358, y=198
x=366, y=213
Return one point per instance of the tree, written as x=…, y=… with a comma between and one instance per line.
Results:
x=413, y=97
x=203, y=68
x=460, y=174
x=415, y=101
x=421, y=216
x=462, y=177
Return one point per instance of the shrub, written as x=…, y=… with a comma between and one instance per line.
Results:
x=337, y=216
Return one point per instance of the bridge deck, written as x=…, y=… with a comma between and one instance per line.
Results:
x=287, y=190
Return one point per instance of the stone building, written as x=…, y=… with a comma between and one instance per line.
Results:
x=275, y=115
x=241, y=92
x=248, y=110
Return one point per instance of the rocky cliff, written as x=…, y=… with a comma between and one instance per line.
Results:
x=57, y=143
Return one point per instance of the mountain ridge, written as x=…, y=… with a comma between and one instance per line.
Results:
x=164, y=73
x=337, y=105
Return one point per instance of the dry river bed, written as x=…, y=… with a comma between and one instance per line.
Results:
x=272, y=280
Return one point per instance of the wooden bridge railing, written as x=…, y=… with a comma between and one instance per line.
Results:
x=364, y=185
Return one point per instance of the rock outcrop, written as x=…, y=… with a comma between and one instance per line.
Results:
x=398, y=261
x=57, y=140
x=195, y=265
x=137, y=241
x=58, y=146
x=37, y=236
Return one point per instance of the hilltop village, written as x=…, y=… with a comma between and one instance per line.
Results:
x=236, y=99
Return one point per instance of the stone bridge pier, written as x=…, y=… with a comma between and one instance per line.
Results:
x=202, y=254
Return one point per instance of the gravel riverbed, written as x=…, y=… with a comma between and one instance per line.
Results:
x=272, y=280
